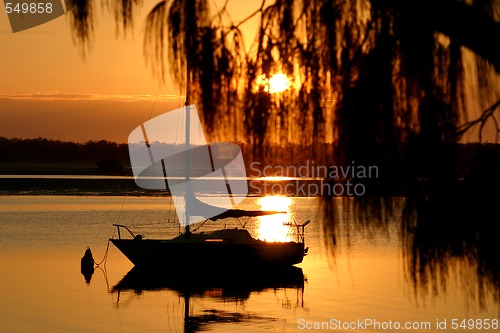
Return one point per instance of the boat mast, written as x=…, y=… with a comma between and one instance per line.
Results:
x=188, y=166
x=188, y=6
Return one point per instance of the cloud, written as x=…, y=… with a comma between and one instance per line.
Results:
x=78, y=116
x=50, y=96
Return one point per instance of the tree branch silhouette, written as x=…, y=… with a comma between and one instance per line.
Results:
x=486, y=115
x=368, y=74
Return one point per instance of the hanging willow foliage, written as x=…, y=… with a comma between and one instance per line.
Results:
x=385, y=81
x=370, y=76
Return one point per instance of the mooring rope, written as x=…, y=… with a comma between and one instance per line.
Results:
x=104, y=260
x=105, y=257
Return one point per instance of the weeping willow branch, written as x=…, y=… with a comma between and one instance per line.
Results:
x=123, y=11
x=368, y=75
x=488, y=114
x=82, y=21
x=155, y=36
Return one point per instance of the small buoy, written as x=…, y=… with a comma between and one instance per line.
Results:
x=87, y=265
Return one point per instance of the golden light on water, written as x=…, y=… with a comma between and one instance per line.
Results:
x=274, y=178
x=271, y=228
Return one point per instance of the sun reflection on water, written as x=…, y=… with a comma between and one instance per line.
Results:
x=271, y=228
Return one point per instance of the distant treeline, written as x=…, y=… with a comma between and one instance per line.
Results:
x=447, y=160
x=45, y=150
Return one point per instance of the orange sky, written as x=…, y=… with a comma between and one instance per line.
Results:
x=47, y=89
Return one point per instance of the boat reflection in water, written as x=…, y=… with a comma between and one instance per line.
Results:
x=220, y=285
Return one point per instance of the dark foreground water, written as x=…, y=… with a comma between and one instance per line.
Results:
x=364, y=283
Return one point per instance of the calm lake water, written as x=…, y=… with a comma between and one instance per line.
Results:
x=365, y=276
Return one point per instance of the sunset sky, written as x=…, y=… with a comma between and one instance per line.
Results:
x=47, y=89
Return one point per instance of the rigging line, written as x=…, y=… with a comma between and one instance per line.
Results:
x=177, y=129
x=169, y=214
x=219, y=13
x=154, y=100
x=121, y=210
x=201, y=225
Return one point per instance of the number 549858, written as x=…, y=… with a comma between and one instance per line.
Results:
x=28, y=7
x=474, y=324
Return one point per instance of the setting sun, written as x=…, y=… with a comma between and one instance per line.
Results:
x=277, y=83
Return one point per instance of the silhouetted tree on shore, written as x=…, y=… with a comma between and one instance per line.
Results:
x=372, y=76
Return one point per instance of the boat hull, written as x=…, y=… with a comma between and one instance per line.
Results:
x=154, y=252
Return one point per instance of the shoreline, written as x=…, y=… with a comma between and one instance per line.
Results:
x=82, y=178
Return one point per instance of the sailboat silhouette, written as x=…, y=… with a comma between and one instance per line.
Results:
x=163, y=159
